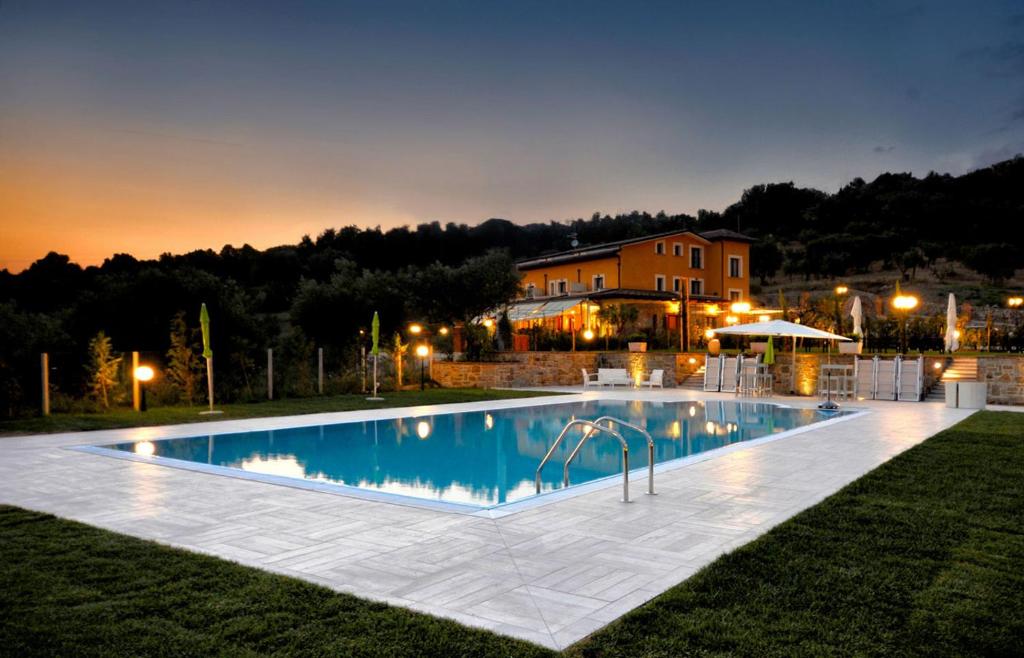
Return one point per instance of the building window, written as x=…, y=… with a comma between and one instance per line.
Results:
x=559, y=287
x=677, y=248
x=659, y=247
x=659, y=282
x=677, y=284
x=735, y=295
x=697, y=258
x=531, y=290
x=563, y=286
x=735, y=266
x=696, y=286
x=598, y=282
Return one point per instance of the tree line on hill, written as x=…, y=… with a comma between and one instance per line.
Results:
x=322, y=291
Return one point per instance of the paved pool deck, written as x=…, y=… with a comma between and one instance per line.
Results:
x=551, y=574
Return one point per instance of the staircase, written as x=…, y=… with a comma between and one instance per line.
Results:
x=695, y=382
x=961, y=369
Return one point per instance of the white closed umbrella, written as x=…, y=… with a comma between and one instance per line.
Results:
x=857, y=313
x=952, y=342
x=784, y=329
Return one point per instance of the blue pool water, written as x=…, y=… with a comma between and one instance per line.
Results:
x=482, y=459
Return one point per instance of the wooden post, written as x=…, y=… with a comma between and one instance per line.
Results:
x=135, y=382
x=270, y=373
x=44, y=363
x=320, y=370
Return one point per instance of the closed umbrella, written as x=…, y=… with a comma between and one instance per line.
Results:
x=952, y=342
x=857, y=313
x=375, y=350
x=769, y=353
x=204, y=325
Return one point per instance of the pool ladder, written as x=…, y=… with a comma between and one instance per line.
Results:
x=595, y=427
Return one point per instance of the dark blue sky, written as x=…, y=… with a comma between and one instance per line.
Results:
x=203, y=123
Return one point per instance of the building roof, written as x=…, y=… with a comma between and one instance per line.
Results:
x=607, y=249
x=625, y=293
x=726, y=234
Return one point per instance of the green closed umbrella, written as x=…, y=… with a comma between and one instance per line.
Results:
x=769, y=353
x=204, y=324
x=375, y=350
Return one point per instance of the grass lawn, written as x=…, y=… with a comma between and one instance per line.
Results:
x=286, y=407
x=923, y=556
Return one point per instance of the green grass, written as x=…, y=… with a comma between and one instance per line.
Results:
x=923, y=556
x=116, y=418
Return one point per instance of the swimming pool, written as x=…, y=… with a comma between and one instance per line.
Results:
x=470, y=460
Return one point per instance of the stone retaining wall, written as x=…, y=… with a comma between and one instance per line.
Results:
x=1005, y=378
x=1004, y=375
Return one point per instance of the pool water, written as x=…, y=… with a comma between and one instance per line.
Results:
x=482, y=459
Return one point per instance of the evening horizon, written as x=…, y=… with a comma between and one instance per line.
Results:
x=153, y=130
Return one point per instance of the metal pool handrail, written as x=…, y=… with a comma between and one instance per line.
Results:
x=625, y=457
x=650, y=451
x=593, y=427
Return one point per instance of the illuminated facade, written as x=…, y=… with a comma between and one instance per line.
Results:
x=674, y=279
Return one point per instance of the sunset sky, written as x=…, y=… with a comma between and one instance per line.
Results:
x=146, y=127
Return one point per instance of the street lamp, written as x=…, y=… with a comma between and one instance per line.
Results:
x=143, y=374
x=1015, y=302
x=415, y=329
x=588, y=335
x=422, y=351
x=904, y=304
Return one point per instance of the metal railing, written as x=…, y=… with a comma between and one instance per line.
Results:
x=594, y=427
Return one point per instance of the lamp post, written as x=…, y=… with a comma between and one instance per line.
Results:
x=143, y=374
x=840, y=291
x=422, y=351
x=904, y=304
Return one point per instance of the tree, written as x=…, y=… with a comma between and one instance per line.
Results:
x=619, y=316
x=398, y=354
x=104, y=369
x=183, y=367
x=998, y=262
x=765, y=260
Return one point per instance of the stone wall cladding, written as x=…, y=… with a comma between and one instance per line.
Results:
x=1005, y=378
x=1004, y=375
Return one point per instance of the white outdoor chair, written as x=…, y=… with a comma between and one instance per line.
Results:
x=590, y=379
x=656, y=378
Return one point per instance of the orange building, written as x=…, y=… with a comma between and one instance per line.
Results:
x=674, y=279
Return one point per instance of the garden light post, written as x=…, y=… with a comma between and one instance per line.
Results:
x=904, y=304
x=840, y=291
x=143, y=374
x=422, y=351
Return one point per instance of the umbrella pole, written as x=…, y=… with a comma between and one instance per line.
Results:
x=792, y=383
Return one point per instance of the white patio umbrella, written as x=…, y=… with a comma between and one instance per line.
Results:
x=952, y=342
x=857, y=313
x=783, y=329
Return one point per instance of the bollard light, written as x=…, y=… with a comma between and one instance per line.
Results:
x=143, y=374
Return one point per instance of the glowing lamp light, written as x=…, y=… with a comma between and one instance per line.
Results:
x=709, y=427
x=145, y=448
x=144, y=373
x=842, y=290
x=693, y=360
x=443, y=331
x=415, y=329
x=956, y=332
x=422, y=351
x=731, y=319
x=423, y=429
x=709, y=333
x=488, y=323
x=588, y=334
x=764, y=318
x=740, y=307
x=1015, y=302
x=937, y=365
x=904, y=302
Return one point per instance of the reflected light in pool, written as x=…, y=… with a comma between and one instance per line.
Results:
x=423, y=429
x=145, y=448
x=283, y=466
